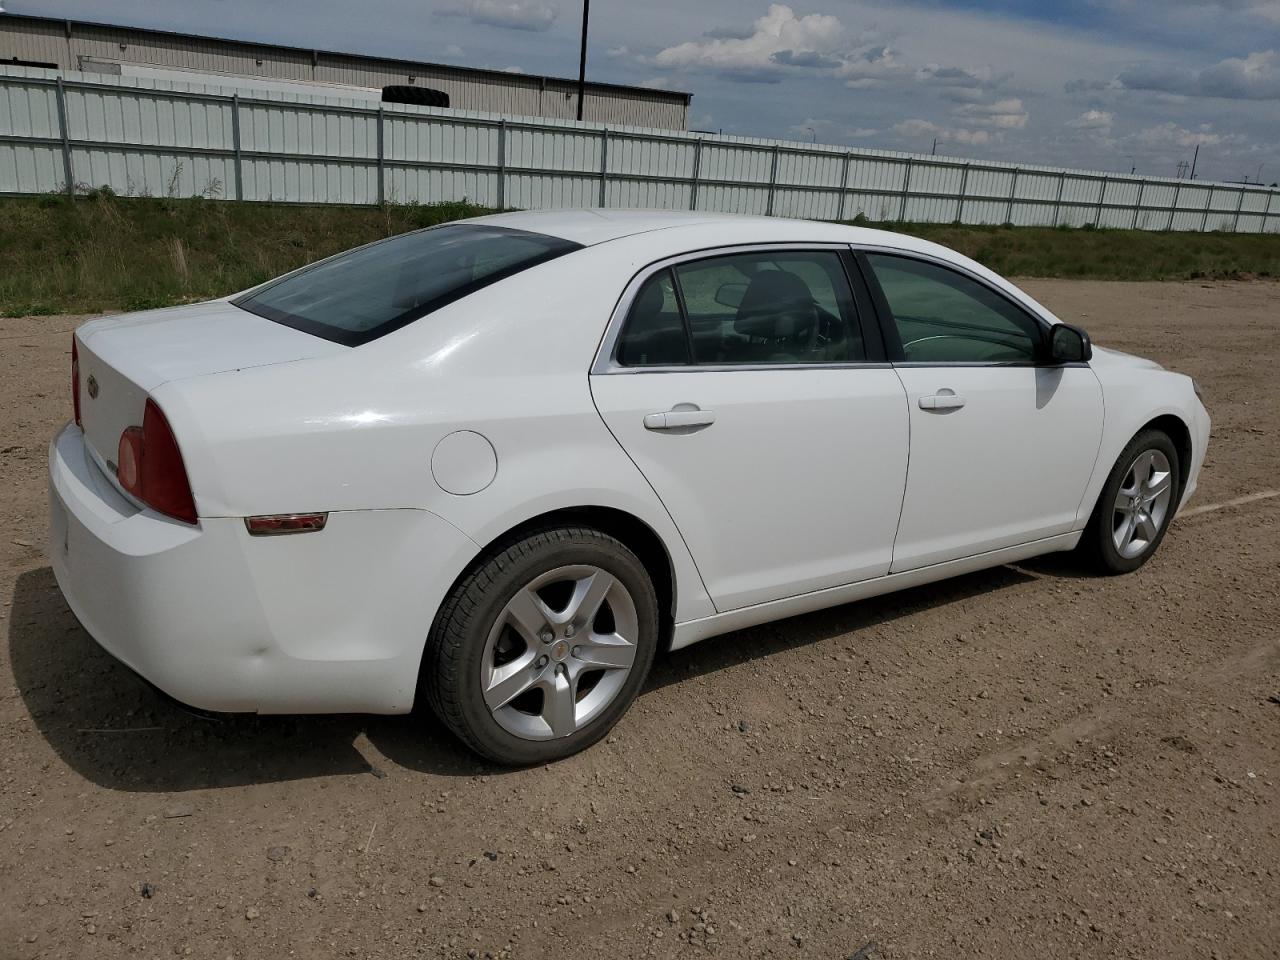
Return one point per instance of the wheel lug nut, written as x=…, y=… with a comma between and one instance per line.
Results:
x=545, y=635
x=570, y=630
x=542, y=662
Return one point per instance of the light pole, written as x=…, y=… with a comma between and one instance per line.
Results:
x=582, y=57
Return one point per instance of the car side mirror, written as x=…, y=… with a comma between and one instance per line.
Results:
x=1068, y=344
x=731, y=294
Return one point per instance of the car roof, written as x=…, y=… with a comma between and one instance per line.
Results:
x=589, y=227
x=592, y=226
x=657, y=233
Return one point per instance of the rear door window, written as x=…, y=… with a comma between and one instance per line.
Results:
x=365, y=293
x=776, y=307
x=773, y=307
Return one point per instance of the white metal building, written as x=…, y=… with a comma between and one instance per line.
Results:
x=132, y=51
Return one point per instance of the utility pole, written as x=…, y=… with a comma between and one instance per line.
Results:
x=582, y=59
x=934, y=150
x=1194, y=157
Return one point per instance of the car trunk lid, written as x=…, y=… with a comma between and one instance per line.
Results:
x=125, y=358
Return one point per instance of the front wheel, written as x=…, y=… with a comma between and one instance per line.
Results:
x=1136, y=505
x=541, y=648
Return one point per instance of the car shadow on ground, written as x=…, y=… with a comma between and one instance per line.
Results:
x=120, y=733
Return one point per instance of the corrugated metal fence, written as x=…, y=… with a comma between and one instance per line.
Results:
x=72, y=132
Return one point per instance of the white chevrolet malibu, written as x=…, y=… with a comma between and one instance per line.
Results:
x=500, y=464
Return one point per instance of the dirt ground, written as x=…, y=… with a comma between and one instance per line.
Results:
x=1022, y=762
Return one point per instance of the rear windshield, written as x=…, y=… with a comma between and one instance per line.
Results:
x=367, y=292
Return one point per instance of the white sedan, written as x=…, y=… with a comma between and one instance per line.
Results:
x=499, y=464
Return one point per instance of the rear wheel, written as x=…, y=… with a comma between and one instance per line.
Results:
x=539, y=651
x=1136, y=505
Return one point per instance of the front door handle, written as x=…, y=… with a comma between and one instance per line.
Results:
x=942, y=401
x=684, y=415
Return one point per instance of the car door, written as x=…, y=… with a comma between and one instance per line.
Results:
x=1002, y=444
x=751, y=390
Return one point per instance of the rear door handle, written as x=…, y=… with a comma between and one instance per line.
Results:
x=675, y=419
x=942, y=401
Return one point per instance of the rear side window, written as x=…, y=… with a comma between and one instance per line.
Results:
x=655, y=333
x=367, y=292
x=767, y=308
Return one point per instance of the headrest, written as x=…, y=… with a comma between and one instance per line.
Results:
x=651, y=300
x=777, y=304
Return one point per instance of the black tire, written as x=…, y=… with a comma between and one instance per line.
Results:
x=452, y=662
x=1097, y=546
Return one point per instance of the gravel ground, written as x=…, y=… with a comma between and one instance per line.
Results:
x=1014, y=761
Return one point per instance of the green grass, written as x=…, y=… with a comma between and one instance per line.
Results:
x=107, y=253
x=1107, y=254
x=104, y=252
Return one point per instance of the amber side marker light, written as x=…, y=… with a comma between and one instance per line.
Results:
x=279, y=524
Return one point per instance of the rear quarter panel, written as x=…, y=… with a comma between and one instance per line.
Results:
x=356, y=430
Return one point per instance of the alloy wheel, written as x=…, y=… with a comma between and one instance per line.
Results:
x=559, y=652
x=1142, y=504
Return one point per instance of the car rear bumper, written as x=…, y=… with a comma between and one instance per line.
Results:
x=331, y=621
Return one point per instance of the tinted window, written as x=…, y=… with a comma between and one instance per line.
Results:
x=365, y=293
x=772, y=307
x=943, y=316
x=654, y=335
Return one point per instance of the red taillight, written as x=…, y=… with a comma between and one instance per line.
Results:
x=150, y=466
x=75, y=378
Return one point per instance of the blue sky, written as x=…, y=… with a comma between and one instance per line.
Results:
x=1103, y=84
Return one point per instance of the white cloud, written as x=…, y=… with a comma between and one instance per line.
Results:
x=1093, y=120
x=872, y=66
x=1255, y=77
x=780, y=41
x=779, y=32
x=961, y=84
x=826, y=130
x=1006, y=114
x=1171, y=135
x=533, y=15
x=925, y=128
